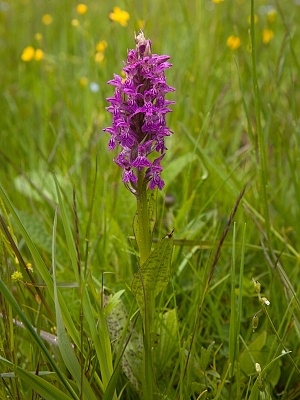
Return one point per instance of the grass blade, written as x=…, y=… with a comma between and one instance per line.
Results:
x=41, y=267
x=40, y=385
x=99, y=335
x=64, y=343
x=36, y=338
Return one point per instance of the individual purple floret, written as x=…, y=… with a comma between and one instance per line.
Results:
x=139, y=111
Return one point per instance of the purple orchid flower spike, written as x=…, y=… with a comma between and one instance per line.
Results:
x=139, y=111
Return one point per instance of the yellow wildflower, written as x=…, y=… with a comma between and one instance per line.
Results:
x=267, y=35
x=101, y=46
x=81, y=8
x=271, y=16
x=28, y=54
x=38, y=37
x=75, y=22
x=99, y=57
x=38, y=55
x=255, y=19
x=119, y=16
x=47, y=19
x=29, y=266
x=16, y=276
x=53, y=330
x=217, y=1
x=233, y=42
x=83, y=81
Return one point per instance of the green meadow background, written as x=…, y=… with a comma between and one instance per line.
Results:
x=236, y=125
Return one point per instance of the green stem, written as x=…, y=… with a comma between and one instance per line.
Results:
x=144, y=236
x=144, y=239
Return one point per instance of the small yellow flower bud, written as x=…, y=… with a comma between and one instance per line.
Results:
x=38, y=36
x=38, y=55
x=101, y=46
x=233, y=42
x=29, y=266
x=16, y=276
x=120, y=16
x=81, y=8
x=83, y=81
x=267, y=36
x=99, y=57
x=75, y=22
x=47, y=19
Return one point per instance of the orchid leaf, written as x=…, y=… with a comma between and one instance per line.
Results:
x=153, y=276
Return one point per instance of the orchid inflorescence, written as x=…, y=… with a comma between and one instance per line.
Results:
x=139, y=111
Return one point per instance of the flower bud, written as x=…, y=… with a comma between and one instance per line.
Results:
x=260, y=382
x=143, y=46
x=258, y=368
x=264, y=301
x=254, y=323
x=257, y=286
